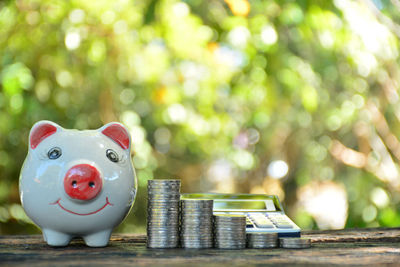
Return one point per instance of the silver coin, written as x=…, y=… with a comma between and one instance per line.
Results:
x=160, y=235
x=190, y=236
x=166, y=210
x=196, y=210
x=203, y=243
x=234, y=228
x=229, y=216
x=166, y=191
x=160, y=202
x=262, y=240
x=164, y=185
x=175, y=187
x=155, y=181
x=158, y=218
x=196, y=246
x=229, y=234
x=156, y=203
x=191, y=231
x=163, y=213
x=295, y=242
x=196, y=203
x=164, y=240
x=162, y=229
x=169, y=215
x=196, y=236
x=160, y=206
x=156, y=244
x=261, y=236
x=196, y=222
x=231, y=243
x=161, y=246
x=162, y=217
x=227, y=222
x=205, y=219
x=229, y=246
x=198, y=241
x=163, y=198
x=162, y=223
x=162, y=191
x=199, y=226
x=197, y=213
x=237, y=229
x=231, y=240
x=206, y=232
x=230, y=226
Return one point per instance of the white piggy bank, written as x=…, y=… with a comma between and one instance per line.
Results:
x=77, y=183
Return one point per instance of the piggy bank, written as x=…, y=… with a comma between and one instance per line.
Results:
x=77, y=183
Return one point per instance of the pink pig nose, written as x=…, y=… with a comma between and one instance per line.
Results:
x=82, y=182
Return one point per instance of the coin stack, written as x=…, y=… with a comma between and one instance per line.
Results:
x=262, y=240
x=230, y=231
x=196, y=223
x=163, y=213
x=295, y=242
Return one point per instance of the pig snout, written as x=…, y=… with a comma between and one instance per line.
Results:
x=82, y=182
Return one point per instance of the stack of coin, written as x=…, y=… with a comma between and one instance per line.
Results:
x=230, y=231
x=196, y=223
x=262, y=240
x=163, y=213
x=295, y=242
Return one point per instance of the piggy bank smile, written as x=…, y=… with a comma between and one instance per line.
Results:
x=81, y=214
x=78, y=183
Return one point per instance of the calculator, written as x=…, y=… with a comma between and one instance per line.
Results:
x=264, y=213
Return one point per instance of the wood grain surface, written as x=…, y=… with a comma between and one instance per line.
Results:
x=374, y=247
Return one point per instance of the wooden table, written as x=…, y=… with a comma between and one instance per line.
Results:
x=377, y=247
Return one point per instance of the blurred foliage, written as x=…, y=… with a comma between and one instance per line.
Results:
x=294, y=98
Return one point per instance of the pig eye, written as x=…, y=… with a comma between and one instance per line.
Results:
x=112, y=155
x=54, y=153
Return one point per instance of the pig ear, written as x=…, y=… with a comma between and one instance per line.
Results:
x=40, y=131
x=118, y=133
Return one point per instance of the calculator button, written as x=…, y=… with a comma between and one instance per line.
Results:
x=262, y=222
x=280, y=225
x=260, y=225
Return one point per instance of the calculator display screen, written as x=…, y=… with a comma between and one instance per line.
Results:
x=239, y=205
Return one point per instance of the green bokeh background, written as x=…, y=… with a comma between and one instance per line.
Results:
x=294, y=98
